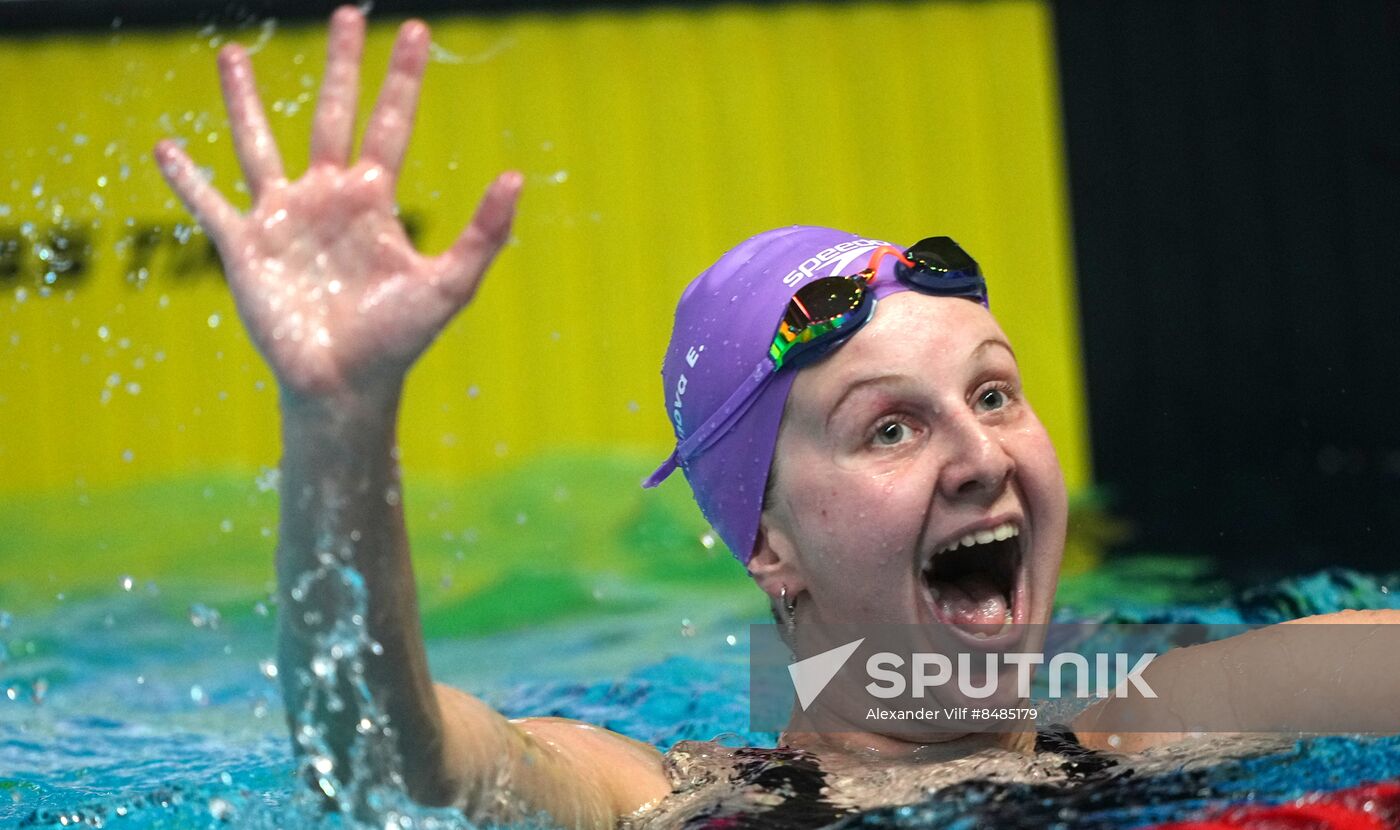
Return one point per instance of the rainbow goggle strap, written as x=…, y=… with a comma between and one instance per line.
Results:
x=825, y=312
x=798, y=330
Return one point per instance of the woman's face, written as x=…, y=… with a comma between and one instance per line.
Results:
x=911, y=437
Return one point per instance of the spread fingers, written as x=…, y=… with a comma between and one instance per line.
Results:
x=334, y=127
x=386, y=137
x=214, y=214
x=257, y=151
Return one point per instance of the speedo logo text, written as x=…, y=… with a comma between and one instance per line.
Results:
x=837, y=256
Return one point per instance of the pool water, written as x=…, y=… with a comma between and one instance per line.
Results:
x=119, y=712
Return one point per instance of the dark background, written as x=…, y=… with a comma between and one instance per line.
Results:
x=1233, y=171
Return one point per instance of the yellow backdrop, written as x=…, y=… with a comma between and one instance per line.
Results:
x=651, y=141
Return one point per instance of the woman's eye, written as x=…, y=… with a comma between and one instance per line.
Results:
x=891, y=433
x=994, y=398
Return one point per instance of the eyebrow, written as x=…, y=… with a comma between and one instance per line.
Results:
x=860, y=384
x=994, y=341
x=885, y=377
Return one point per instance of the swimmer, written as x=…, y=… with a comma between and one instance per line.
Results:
x=836, y=457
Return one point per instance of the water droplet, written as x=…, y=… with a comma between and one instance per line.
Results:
x=128, y=455
x=220, y=809
x=198, y=695
x=202, y=616
x=707, y=540
x=126, y=582
x=731, y=639
x=268, y=667
x=268, y=479
x=226, y=525
x=213, y=321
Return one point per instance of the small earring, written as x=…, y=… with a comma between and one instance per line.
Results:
x=790, y=608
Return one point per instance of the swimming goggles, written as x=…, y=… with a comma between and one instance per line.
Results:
x=824, y=313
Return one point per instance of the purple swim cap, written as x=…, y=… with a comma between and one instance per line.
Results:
x=725, y=322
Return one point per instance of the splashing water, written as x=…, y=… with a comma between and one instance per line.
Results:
x=156, y=758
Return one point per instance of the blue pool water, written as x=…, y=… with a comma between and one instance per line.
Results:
x=133, y=711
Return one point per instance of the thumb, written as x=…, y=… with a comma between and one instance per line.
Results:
x=461, y=267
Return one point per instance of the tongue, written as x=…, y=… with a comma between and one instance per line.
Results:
x=973, y=603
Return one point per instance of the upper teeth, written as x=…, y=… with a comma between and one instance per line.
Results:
x=996, y=534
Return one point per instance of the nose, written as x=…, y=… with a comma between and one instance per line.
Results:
x=977, y=465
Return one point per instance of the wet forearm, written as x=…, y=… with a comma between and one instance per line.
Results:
x=342, y=516
x=1328, y=674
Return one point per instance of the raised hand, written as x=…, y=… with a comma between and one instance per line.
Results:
x=324, y=277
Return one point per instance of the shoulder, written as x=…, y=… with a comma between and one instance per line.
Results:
x=631, y=773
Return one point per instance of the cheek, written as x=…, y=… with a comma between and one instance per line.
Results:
x=856, y=526
x=1040, y=472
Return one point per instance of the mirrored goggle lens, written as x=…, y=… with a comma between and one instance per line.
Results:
x=940, y=253
x=942, y=267
x=823, y=300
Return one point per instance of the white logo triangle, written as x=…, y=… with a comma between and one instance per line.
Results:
x=810, y=676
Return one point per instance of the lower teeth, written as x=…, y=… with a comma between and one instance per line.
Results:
x=1008, y=619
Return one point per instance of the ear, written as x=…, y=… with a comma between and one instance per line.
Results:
x=775, y=564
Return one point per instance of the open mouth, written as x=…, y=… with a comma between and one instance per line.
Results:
x=974, y=585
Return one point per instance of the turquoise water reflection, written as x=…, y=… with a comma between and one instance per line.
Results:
x=120, y=711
